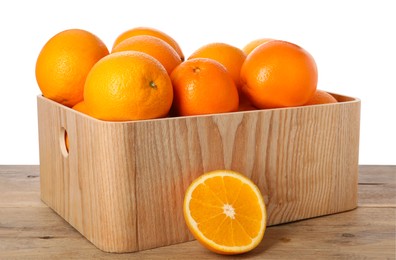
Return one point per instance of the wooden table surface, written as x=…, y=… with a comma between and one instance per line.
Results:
x=31, y=230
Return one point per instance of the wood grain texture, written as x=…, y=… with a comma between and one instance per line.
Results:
x=31, y=230
x=122, y=184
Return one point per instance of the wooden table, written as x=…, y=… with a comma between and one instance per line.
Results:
x=31, y=230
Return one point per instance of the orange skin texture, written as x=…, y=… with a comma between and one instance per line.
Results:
x=279, y=74
x=152, y=32
x=203, y=86
x=154, y=47
x=253, y=44
x=321, y=97
x=64, y=63
x=81, y=107
x=128, y=85
x=229, y=56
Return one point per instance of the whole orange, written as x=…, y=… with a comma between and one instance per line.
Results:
x=321, y=97
x=253, y=44
x=153, y=46
x=229, y=56
x=203, y=86
x=64, y=62
x=128, y=85
x=279, y=74
x=152, y=32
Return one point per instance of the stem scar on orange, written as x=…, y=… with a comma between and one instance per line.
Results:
x=225, y=212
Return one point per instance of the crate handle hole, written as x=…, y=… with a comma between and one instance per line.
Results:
x=64, y=142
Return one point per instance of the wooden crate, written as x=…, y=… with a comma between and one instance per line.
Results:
x=122, y=184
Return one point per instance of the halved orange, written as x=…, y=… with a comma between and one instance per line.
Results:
x=225, y=212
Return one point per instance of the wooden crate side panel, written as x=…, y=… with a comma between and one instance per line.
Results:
x=93, y=188
x=167, y=158
x=348, y=156
x=315, y=172
x=53, y=169
x=109, y=167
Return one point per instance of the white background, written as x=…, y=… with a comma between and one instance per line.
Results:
x=353, y=43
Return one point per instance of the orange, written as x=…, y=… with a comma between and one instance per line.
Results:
x=229, y=56
x=253, y=44
x=225, y=212
x=64, y=62
x=279, y=74
x=321, y=97
x=128, y=85
x=152, y=32
x=81, y=107
x=203, y=86
x=153, y=46
x=66, y=141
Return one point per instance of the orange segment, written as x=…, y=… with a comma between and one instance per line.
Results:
x=232, y=184
x=216, y=185
x=206, y=227
x=225, y=211
x=205, y=194
x=209, y=212
x=251, y=226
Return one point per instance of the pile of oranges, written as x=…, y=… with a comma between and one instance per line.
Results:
x=146, y=76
